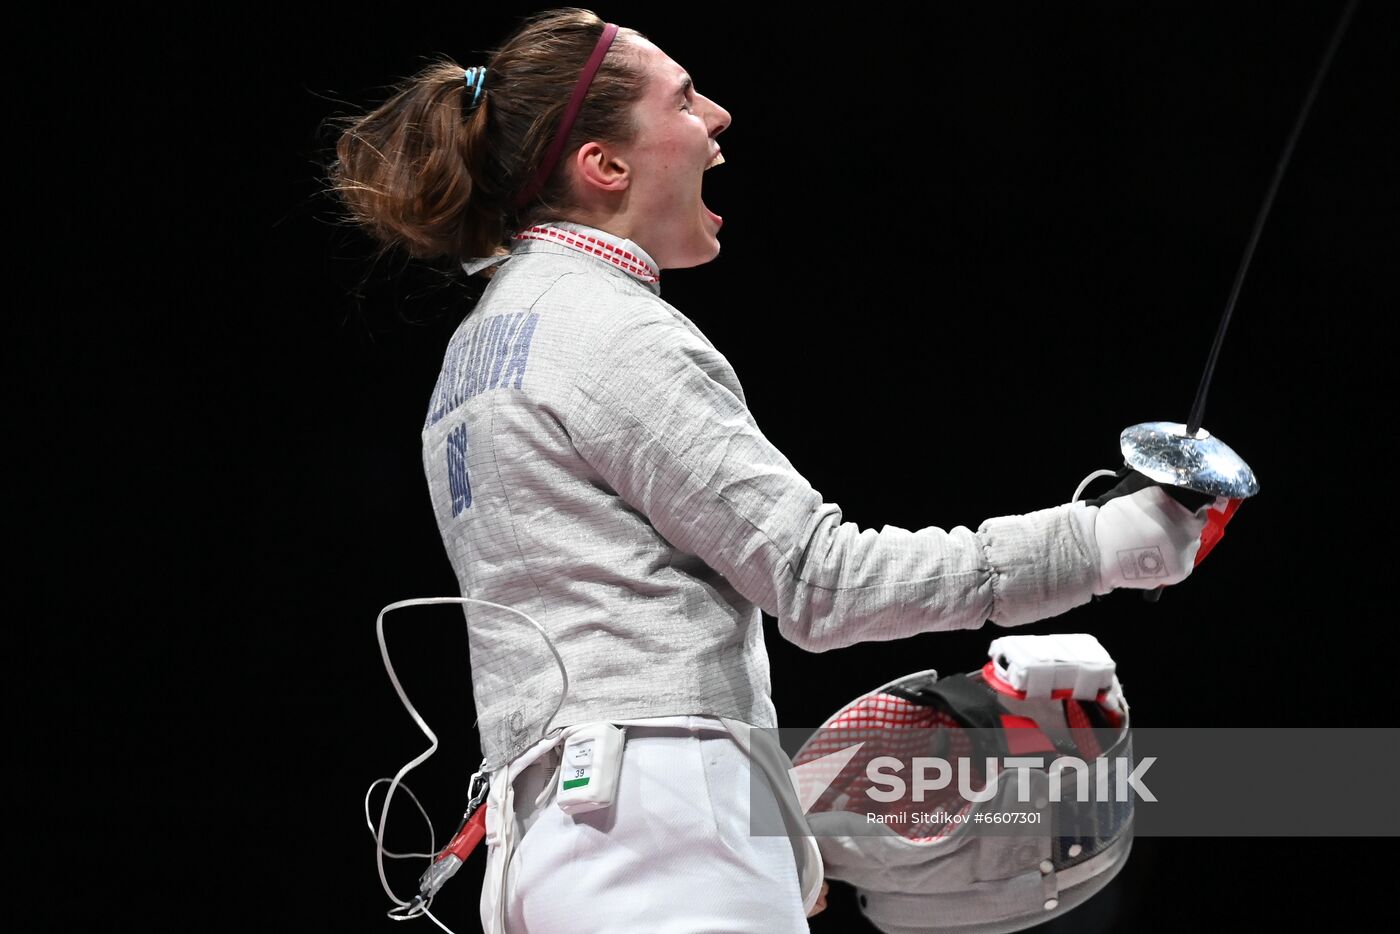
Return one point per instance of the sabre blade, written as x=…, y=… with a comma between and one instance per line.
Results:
x=1198, y=407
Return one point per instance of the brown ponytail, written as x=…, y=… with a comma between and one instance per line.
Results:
x=419, y=175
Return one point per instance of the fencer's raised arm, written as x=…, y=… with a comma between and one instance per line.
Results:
x=659, y=413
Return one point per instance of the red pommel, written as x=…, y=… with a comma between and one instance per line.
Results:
x=1216, y=520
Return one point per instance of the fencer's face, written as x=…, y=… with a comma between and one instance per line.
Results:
x=675, y=143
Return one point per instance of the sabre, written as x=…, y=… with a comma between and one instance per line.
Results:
x=1187, y=456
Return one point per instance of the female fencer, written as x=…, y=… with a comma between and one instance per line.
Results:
x=592, y=463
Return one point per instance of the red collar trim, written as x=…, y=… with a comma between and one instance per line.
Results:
x=623, y=259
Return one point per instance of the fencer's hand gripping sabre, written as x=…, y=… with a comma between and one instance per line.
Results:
x=449, y=859
x=1193, y=467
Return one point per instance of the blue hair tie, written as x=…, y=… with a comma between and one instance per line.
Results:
x=474, y=78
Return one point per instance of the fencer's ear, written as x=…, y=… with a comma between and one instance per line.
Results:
x=601, y=168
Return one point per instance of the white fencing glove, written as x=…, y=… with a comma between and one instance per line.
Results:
x=1146, y=540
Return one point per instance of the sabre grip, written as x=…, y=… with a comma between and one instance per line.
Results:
x=1130, y=481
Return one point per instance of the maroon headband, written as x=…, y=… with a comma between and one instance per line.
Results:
x=566, y=125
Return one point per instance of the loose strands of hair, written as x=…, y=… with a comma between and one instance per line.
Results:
x=417, y=176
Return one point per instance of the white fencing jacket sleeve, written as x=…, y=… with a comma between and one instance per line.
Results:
x=658, y=412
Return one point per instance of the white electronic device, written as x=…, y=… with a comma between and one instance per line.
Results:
x=589, y=768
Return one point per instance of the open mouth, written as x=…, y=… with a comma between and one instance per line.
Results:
x=717, y=160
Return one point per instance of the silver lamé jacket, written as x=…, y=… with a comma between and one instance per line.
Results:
x=592, y=463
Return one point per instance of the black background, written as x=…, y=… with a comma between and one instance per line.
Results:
x=964, y=247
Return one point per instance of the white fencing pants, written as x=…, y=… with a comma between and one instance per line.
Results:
x=672, y=855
